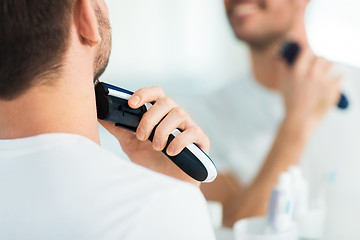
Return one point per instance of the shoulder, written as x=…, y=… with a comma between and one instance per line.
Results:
x=181, y=213
x=98, y=160
x=158, y=205
x=163, y=207
x=95, y=191
x=97, y=163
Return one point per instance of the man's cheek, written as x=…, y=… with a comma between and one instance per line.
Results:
x=104, y=8
x=229, y=4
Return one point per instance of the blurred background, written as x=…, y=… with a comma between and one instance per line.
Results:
x=187, y=47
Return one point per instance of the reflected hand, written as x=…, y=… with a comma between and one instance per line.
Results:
x=309, y=89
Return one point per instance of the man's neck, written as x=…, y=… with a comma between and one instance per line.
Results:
x=62, y=108
x=263, y=64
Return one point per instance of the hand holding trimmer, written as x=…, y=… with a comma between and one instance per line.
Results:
x=112, y=106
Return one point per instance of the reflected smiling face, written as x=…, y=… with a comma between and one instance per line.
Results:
x=262, y=22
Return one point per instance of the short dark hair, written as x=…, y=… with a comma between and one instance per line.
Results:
x=34, y=36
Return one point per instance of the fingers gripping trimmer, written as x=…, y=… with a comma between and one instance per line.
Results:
x=290, y=52
x=112, y=106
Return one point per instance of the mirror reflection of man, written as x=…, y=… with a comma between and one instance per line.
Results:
x=56, y=182
x=268, y=120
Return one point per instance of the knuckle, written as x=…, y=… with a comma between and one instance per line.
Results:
x=196, y=130
x=329, y=66
x=160, y=133
x=180, y=112
x=206, y=139
x=206, y=143
x=159, y=90
x=326, y=64
x=145, y=122
x=180, y=142
x=317, y=61
x=166, y=101
x=312, y=73
x=323, y=60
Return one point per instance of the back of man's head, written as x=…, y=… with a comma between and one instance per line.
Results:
x=34, y=39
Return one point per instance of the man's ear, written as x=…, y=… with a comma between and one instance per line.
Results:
x=87, y=22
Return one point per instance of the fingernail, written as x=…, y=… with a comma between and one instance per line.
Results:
x=134, y=100
x=170, y=151
x=156, y=144
x=141, y=134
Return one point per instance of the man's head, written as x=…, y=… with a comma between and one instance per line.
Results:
x=260, y=23
x=35, y=37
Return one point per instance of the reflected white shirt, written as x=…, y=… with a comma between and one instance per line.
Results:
x=242, y=120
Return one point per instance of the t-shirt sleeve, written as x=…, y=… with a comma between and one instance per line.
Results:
x=178, y=214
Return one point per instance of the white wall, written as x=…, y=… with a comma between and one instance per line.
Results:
x=334, y=29
x=187, y=46
x=185, y=42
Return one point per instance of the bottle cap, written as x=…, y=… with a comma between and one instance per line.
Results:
x=284, y=181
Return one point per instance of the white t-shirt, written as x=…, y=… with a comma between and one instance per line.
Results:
x=242, y=120
x=63, y=186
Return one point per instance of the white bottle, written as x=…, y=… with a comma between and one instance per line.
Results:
x=301, y=192
x=280, y=216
